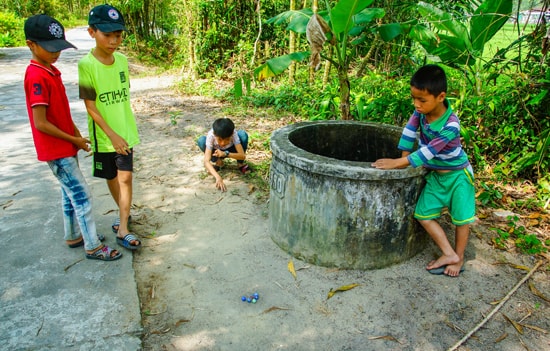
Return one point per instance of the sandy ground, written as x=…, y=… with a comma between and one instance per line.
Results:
x=204, y=249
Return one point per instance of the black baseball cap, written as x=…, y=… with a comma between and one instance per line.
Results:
x=106, y=18
x=47, y=32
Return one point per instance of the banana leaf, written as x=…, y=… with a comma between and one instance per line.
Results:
x=277, y=65
x=489, y=17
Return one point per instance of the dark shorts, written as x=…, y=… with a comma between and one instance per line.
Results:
x=107, y=164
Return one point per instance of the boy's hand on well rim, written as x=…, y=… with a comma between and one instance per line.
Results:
x=384, y=163
x=391, y=163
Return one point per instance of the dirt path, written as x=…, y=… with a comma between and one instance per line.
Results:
x=205, y=249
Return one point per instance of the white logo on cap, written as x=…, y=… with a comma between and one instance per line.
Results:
x=55, y=30
x=113, y=14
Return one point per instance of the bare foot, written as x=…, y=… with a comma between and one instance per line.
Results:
x=453, y=270
x=444, y=261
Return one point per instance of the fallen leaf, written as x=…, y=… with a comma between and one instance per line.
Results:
x=384, y=337
x=161, y=331
x=502, y=337
x=251, y=189
x=516, y=325
x=181, y=321
x=534, y=327
x=454, y=327
x=342, y=288
x=275, y=308
x=291, y=269
x=537, y=292
x=517, y=266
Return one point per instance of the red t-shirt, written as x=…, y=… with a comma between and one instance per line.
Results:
x=44, y=86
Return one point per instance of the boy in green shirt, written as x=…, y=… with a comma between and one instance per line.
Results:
x=104, y=86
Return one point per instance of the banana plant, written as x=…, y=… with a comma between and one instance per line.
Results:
x=458, y=43
x=342, y=26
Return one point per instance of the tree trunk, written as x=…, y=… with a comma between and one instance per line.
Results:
x=344, y=94
x=328, y=65
x=292, y=48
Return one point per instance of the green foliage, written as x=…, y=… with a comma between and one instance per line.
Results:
x=383, y=99
x=11, y=30
x=459, y=42
x=490, y=195
x=174, y=116
x=512, y=108
x=302, y=99
x=343, y=24
x=525, y=242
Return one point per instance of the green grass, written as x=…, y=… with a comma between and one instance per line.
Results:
x=504, y=37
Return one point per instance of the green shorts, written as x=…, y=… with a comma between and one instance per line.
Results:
x=454, y=190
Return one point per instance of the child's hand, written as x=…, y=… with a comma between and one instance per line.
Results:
x=120, y=145
x=384, y=163
x=82, y=143
x=220, y=184
x=218, y=153
x=391, y=163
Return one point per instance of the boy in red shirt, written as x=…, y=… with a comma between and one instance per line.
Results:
x=56, y=137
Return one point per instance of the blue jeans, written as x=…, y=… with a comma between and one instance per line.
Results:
x=201, y=142
x=76, y=201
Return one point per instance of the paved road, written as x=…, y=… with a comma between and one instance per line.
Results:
x=51, y=297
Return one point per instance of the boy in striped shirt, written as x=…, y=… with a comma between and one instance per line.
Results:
x=450, y=181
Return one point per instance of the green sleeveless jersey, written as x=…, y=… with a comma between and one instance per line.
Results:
x=109, y=87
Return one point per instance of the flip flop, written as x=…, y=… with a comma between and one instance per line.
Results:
x=116, y=224
x=244, y=169
x=441, y=270
x=101, y=237
x=126, y=241
x=104, y=254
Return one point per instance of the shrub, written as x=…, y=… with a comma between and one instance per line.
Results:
x=11, y=30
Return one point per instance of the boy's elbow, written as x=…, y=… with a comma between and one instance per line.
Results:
x=40, y=126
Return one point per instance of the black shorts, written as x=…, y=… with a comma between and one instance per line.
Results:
x=107, y=164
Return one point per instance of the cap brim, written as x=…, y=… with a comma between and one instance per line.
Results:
x=55, y=45
x=110, y=27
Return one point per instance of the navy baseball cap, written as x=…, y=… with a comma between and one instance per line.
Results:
x=47, y=32
x=106, y=18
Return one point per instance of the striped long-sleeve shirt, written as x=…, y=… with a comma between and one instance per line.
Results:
x=439, y=145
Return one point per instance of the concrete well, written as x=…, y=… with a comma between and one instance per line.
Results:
x=329, y=207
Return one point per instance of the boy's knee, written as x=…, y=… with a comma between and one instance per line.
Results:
x=243, y=136
x=201, y=143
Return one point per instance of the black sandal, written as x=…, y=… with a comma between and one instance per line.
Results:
x=101, y=237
